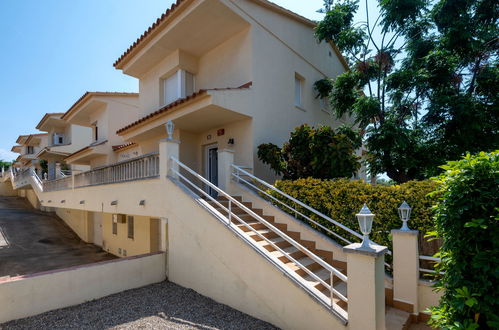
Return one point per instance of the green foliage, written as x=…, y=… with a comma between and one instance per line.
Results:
x=341, y=199
x=425, y=74
x=323, y=88
x=314, y=152
x=44, y=165
x=5, y=164
x=467, y=219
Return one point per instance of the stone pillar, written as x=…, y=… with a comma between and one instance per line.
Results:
x=163, y=234
x=225, y=160
x=168, y=148
x=57, y=170
x=51, y=170
x=405, y=269
x=366, y=286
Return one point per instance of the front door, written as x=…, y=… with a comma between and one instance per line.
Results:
x=211, y=167
x=97, y=219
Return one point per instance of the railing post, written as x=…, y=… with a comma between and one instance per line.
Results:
x=366, y=286
x=405, y=269
x=168, y=148
x=225, y=161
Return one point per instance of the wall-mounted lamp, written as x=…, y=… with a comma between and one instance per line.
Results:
x=169, y=129
x=114, y=203
x=142, y=202
x=63, y=201
x=82, y=202
x=49, y=201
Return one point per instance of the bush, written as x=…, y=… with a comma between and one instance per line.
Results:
x=467, y=220
x=341, y=199
x=321, y=152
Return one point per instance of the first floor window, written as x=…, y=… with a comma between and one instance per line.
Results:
x=298, y=90
x=115, y=224
x=177, y=86
x=131, y=224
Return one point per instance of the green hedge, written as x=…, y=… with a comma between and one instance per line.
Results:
x=341, y=199
x=467, y=219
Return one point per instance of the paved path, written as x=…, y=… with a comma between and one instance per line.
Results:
x=159, y=306
x=32, y=241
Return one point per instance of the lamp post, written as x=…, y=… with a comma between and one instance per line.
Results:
x=404, y=214
x=365, y=218
x=169, y=129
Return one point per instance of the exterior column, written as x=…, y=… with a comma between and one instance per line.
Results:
x=57, y=170
x=225, y=160
x=405, y=269
x=51, y=170
x=168, y=148
x=366, y=286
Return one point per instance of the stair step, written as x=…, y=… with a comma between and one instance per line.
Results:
x=307, y=262
x=279, y=241
x=289, y=251
x=223, y=198
x=254, y=224
x=265, y=232
x=341, y=288
x=396, y=319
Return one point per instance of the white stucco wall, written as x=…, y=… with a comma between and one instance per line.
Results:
x=30, y=295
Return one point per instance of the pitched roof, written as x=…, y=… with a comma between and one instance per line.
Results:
x=88, y=95
x=86, y=148
x=152, y=30
x=178, y=102
x=47, y=116
x=163, y=20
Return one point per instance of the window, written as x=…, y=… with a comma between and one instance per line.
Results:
x=115, y=224
x=177, y=86
x=299, y=91
x=130, y=227
x=325, y=106
x=58, y=138
x=30, y=150
x=96, y=131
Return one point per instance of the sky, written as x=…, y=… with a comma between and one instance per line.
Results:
x=53, y=51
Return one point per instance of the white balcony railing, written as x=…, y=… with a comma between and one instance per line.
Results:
x=143, y=167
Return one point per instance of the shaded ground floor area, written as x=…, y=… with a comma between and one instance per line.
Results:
x=159, y=306
x=32, y=241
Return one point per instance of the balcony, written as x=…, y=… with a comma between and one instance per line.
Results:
x=140, y=168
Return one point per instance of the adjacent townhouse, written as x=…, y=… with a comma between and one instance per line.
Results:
x=174, y=168
x=64, y=139
x=28, y=146
x=103, y=113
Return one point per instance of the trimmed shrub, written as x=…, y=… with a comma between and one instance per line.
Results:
x=467, y=219
x=341, y=199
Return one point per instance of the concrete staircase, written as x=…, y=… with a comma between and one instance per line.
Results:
x=395, y=318
x=290, y=251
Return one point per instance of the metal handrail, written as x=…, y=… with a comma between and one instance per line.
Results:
x=320, y=214
x=311, y=255
x=428, y=258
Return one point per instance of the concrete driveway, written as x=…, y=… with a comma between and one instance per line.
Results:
x=32, y=241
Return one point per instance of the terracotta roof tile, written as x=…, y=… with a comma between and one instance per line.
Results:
x=178, y=102
x=144, y=35
x=123, y=146
x=89, y=94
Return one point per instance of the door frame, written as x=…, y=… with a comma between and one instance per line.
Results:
x=206, y=164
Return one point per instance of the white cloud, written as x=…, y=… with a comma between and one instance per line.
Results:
x=7, y=156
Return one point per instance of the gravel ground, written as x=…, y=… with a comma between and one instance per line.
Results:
x=158, y=306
